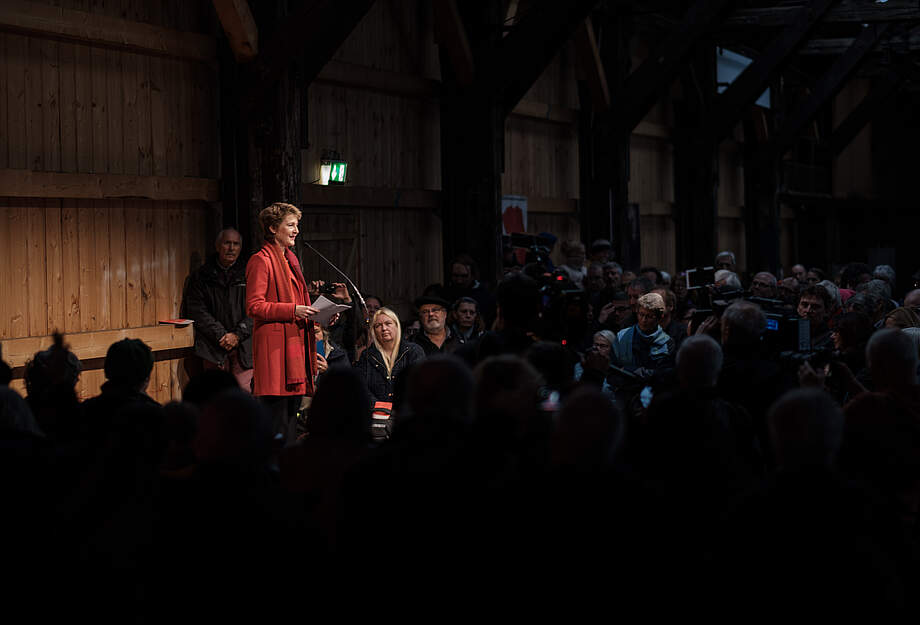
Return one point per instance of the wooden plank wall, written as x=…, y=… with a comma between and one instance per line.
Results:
x=73, y=107
x=86, y=266
x=731, y=202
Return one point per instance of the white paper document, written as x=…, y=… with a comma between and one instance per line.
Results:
x=327, y=308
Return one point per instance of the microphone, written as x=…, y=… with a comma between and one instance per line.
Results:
x=343, y=274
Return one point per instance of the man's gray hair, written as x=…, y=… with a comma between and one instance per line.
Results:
x=728, y=253
x=884, y=272
x=770, y=277
x=608, y=336
x=220, y=235
x=833, y=291
x=892, y=357
x=731, y=278
x=652, y=301
x=878, y=288
x=699, y=362
x=612, y=265
x=747, y=322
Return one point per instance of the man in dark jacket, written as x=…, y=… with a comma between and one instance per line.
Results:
x=216, y=300
x=435, y=336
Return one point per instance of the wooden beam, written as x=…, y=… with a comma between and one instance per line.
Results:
x=381, y=81
x=865, y=111
x=532, y=44
x=240, y=28
x=752, y=81
x=644, y=86
x=848, y=11
x=371, y=197
x=35, y=18
x=451, y=36
x=553, y=206
x=898, y=43
x=27, y=183
x=589, y=59
x=88, y=345
x=394, y=83
x=311, y=35
x=828, y=86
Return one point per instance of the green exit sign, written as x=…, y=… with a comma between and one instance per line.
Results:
x=337, y=173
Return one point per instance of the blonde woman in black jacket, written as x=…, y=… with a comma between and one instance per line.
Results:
x=387, y=357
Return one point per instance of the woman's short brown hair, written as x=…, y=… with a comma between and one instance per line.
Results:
x=272, y=216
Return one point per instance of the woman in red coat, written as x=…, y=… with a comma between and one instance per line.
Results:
x=283, y=345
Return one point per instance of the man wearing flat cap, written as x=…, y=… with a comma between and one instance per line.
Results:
x=435, y=336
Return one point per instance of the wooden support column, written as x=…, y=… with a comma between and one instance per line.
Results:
x=696, y=164
x=473, y=112
x=472, y=142
x=605, y=212
x=828, y=85
x=761, y=209
x=881, y=91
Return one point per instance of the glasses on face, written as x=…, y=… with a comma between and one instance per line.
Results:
x=621, y=309
x=431, y=311
x=600, y=346
x=761, y=285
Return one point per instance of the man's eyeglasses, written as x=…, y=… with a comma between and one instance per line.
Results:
x=762, y=285
x=431, y=311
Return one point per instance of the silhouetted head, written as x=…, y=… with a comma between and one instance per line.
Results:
x=128, y=363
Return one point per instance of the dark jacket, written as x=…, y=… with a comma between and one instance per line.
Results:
x=215, y=299
x=374, y=370
x=449, y=346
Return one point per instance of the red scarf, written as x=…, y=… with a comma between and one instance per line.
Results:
x=295, y=369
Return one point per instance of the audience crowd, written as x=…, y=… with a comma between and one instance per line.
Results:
x=585, y=435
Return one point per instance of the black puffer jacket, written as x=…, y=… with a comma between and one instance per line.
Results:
x=216, y=299
x=374, y=370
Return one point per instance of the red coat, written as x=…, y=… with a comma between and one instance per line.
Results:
x=269, y=318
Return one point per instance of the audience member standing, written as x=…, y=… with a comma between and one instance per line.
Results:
x=216, y=300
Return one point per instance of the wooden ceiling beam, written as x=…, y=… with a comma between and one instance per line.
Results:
x=531, y=45
x=828, y=85
x=644, y=86
x=866, y=110
x=240, y=28
x=311, y=35
x=589, y=60
x=34, y=18
x=848, y=11
x=750, y=84
x=451, y=36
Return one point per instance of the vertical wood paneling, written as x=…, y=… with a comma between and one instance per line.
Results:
x=34, y=102
x=173, y=254
x=144, y=134
x=83, y=108
x=68, y=91
x=51, y=114
x=130, y=82
x=103, y=263
x=114, y=97
x=17, y=59
x=101, y=109
x=117, y=264
x=162, y=245
x=134, y=248
x=6, y=277
x=71, y=272
x=89, y=271
x=19, y=279
x=173, y=115
x=4, y=135
x=54, y=258
x=148, y=251
x=158, y=119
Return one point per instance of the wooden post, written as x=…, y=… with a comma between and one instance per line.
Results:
x=604, y=151
x=696, y=165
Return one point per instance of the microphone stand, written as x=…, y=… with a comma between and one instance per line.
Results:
x=344, y=275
